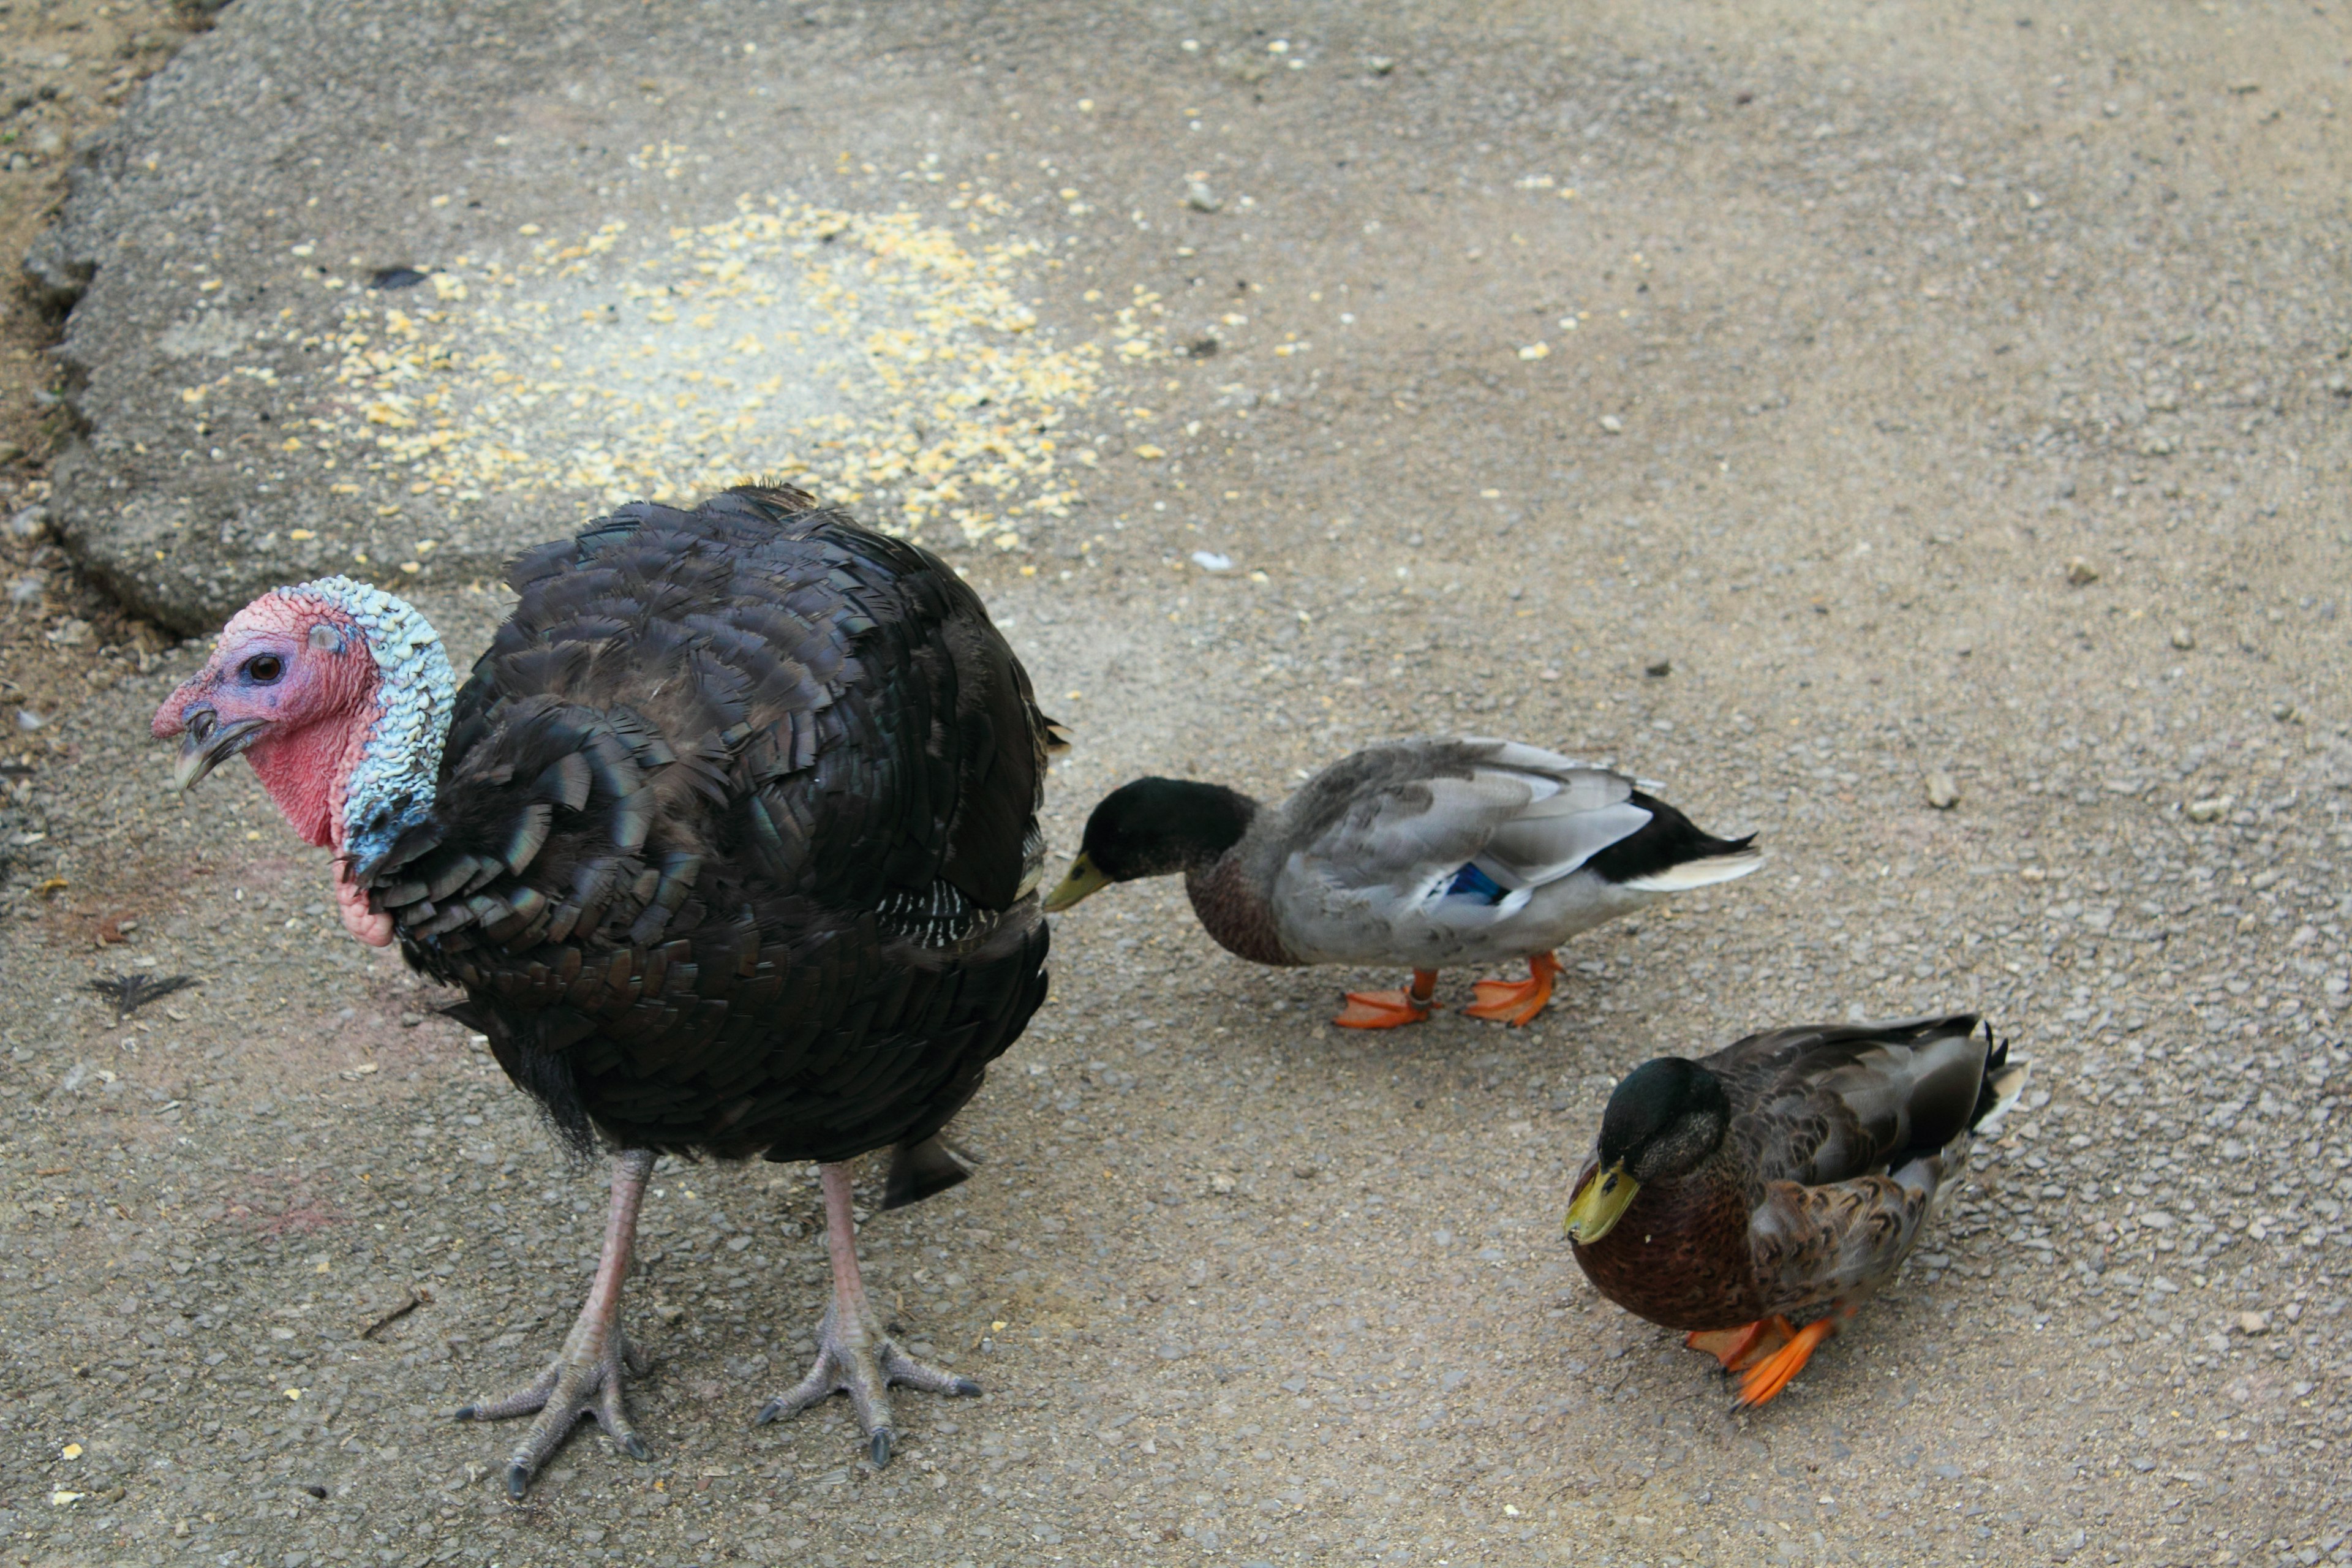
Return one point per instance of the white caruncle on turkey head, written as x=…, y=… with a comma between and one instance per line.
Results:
x=339, y=696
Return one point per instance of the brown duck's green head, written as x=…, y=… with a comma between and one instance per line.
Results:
x=1153, y=828
x=1665, y=1119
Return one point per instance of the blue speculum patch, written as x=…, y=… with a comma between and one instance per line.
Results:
x=1472, y=883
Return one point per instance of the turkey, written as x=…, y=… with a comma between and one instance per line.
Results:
x=731, y=840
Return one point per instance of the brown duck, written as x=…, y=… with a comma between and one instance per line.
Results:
x=1788, y=1172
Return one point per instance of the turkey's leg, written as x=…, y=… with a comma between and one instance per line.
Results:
x=856, y=1354
x=586, y=1378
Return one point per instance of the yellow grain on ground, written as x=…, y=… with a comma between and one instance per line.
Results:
x=875, y=357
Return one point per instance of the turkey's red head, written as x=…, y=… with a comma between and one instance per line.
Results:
x=338, y=694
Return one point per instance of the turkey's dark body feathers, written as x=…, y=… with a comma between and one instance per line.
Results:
x=736, y=837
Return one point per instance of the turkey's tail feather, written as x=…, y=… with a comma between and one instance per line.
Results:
x=918, y=1171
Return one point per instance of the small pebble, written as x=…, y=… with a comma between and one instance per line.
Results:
x=1201, y=198
x=2081, y=573
x=2183, y=638
x=1943, y=790
x=1611, y=424
x=2211, y=810
x=1660, y=668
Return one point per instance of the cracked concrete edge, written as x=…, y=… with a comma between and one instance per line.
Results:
x=58, y=269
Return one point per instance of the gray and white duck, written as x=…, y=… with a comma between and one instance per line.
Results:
x=1425, y=853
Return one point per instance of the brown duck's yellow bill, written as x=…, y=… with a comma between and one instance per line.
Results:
x=1600, y=1203
x=1083, y=882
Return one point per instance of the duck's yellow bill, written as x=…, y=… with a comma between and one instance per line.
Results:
x=1083, y=881
x=1600, y=1203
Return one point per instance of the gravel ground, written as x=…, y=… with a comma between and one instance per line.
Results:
x=1954, y=414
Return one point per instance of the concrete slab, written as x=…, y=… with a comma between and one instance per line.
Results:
x=425, y=286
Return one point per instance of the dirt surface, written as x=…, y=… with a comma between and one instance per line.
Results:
x=1955, y=411
x=65, y=70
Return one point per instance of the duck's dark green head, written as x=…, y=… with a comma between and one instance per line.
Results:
x=1153, y=828
x=1664, y=1120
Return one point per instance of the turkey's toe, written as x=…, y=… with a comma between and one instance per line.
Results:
x=864, y=1366
x=560, y=1396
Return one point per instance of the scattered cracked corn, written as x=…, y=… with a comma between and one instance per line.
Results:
x=872, y=357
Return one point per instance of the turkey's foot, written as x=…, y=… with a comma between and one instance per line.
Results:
x=1517, y=1002
x=863, y=1361
x=587, y=1377
x=855, y=1352
x=565, y=1391
x=1390, y=1009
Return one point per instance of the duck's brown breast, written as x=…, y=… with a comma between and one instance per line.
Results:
x=1235, y=913
x=1679, y=1257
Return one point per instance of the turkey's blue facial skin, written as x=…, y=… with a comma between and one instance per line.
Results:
x=340, y=695
x=391, y=788
x=368, y=843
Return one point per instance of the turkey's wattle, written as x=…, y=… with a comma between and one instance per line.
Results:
x=731, y=839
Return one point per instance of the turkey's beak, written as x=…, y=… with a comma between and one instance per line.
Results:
x=1600, y=1203
x=1085, y=880
x=206, y=743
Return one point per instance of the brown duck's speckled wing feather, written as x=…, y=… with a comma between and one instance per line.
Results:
x=737, y=834
x=1849, y=1130
x=1826, y=1104
x=1814, y=1245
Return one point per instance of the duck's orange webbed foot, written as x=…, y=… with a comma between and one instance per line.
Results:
x=1517, y=1002
x=1770, y=1375
x=1741, y=1348
x=1390, y=1009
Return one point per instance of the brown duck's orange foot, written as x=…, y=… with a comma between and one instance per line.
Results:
x=1770, y=1375
x=1390, y=1009
x=1517, y=1002
x=1741, y=1348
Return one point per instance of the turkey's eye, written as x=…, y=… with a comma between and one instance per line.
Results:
x=265, y=668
